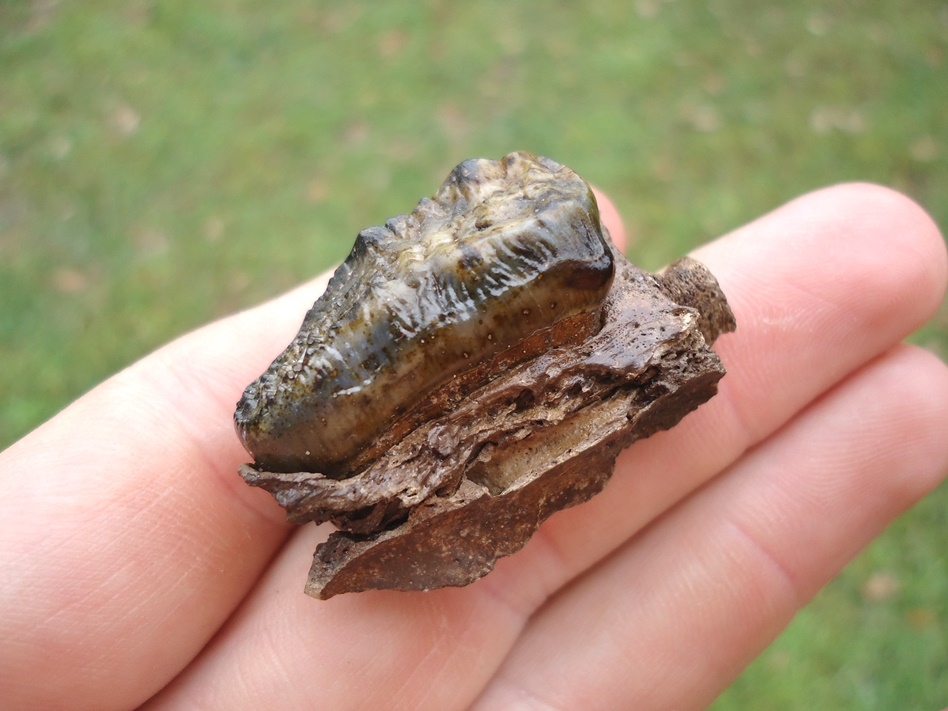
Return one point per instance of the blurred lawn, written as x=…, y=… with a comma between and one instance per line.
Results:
x=165, y=164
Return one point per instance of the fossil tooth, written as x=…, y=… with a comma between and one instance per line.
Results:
x=472, y=368
x=503, y=250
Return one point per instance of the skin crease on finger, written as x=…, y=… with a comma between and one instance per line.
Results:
x=823, y=248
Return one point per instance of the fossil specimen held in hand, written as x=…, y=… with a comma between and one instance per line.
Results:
x=472, y=368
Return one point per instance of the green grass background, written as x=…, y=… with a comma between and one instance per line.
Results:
x=163, y=164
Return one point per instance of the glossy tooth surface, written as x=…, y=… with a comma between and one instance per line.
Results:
x=508, y=258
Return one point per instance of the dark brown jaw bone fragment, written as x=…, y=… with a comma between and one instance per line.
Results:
x=539, y=439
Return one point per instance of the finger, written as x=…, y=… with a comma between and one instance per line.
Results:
x=693, y=599
x=613, y=221
x=809, y=353
x=819, y=287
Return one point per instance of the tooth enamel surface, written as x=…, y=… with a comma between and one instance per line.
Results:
x=508, y=257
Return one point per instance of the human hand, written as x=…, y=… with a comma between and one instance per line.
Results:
x=137, y=565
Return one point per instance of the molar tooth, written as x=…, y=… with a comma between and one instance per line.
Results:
x=432, y=302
